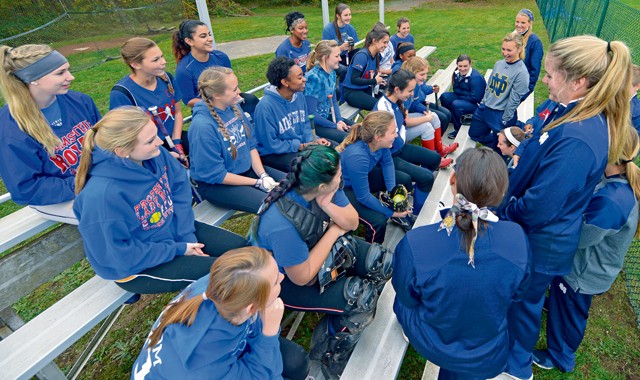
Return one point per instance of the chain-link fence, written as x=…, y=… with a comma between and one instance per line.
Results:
x=607, y=19
x=88, y=26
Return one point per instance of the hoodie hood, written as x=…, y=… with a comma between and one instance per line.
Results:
x=107, y=165
x=200, y=108
x=271, y=91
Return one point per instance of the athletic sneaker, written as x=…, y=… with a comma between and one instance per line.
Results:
x=542, y=359
x=452, y=135
x=446, y=149
x=445, y=163
x=508, y=376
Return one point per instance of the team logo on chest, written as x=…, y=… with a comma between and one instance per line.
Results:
x=154, y=209
x=498, y=84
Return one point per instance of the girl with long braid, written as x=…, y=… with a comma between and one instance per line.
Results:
x=224, y=160
x=305, y=222
x=42, y=127
x=150, y=86
x=461, y=327
x=225, y=325
x=134, y=209
x=368, y=168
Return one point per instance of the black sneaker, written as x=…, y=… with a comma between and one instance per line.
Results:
x=542, y=359
x=452, y=135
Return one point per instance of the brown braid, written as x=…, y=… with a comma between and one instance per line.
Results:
x=165, y=78
x=240, y=116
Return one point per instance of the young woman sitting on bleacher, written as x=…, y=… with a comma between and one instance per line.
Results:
x=134, y=209
x=193, y=51
x=320, y=91
x=367, y=167
x=403, y=35
x=42, y=126
x=297, y=46
x=507, y=85
x=468, y=89
x=363, y=71
x=225, y=326
x=509, y=140
x=150, y=87
x=406, y=52
x=456, y=279
x=429, y=127
x=224, y=160
x=282, y=125
x=341, y=31
x=305, y=223
x=418, y=162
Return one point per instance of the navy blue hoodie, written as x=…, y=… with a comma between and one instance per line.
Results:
x=281, y=125
x=29, y=173
x=132, y=217
x=211, y=348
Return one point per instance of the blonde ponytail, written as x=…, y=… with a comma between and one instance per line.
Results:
x=22, y=106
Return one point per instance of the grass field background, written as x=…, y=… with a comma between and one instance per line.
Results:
x=611, y=349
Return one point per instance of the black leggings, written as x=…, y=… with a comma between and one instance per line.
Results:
x=183, y=270
x=241, y=198
x=360, y=98
x=332, y=300
x=295, y=360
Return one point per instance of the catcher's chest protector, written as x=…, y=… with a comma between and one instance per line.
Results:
x=310, y=224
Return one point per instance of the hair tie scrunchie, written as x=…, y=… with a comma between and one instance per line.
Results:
x=462, y=205
x=608, y=46
x=204, y=296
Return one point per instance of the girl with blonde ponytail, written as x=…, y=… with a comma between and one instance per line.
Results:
x=368, y=167
x=232, y=316
x=610, y=225
x=43, y=124
x=533, y=51
x=224, y=160
x=550, y=188
x=134, y=209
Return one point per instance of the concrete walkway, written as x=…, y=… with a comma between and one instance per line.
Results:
x=251, y=47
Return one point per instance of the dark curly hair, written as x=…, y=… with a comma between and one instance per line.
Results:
x=278, y=70
x=290, y=18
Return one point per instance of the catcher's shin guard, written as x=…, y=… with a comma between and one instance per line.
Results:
x=379, y=264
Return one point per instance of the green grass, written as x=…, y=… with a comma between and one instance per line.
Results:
x=612, y=346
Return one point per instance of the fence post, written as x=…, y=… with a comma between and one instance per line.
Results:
x=604, y=13
x=325, y=13
x=571, y=16
x=203, y=15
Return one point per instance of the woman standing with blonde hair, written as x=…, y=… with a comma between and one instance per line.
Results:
x=533, y=51
x=502, y=96
x=320, y=91
x=226, y=324
x=551, y=187
x=134, y=209
x=43, y=124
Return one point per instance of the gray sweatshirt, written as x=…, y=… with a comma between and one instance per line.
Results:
x=506, y=86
